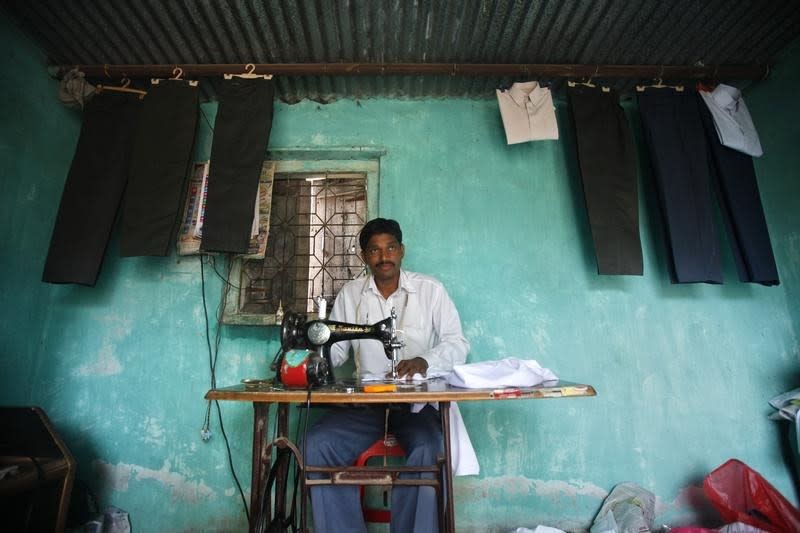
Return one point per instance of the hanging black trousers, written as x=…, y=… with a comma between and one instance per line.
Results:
x=608, y=171
x=238, y=150
x=159, y=170
x=679, y=156
x=734, y=178
x=93, y=190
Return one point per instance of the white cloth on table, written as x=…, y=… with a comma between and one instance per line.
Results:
x=508, y=372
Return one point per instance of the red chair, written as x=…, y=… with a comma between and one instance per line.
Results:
x=388, y=447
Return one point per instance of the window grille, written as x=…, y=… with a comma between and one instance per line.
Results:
x=320, y=201
x=312, y=249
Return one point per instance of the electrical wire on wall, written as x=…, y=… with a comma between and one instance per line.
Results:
x=213, y=352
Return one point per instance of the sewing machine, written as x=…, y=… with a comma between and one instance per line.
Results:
x=304, y=359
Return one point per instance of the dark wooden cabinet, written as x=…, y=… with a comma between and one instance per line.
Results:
x=38, y=472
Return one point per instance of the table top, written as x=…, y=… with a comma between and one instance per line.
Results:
x=433, y=390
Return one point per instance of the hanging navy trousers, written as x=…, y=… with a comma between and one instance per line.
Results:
x=238, y=150
x=93, y=189
x=679, y=156
x=608, y=172
x=160, y=167
x=740, y=203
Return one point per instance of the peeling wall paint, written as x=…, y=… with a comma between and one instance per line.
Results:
x=507, y=486
x=118, y=477
x=683, y=373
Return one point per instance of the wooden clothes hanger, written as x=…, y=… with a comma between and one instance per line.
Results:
x=659, y=84
x=177, y=74
x=121, y=89
x=249, y=73
x=588, y=83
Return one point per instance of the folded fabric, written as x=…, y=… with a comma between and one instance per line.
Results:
x=508, y=372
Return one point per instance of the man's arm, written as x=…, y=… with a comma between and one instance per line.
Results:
x=452, y=347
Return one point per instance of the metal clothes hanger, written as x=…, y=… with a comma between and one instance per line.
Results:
x=659, y=84
x=588, y=83
x=177, y=74
x=121, y=89
x=249, y=73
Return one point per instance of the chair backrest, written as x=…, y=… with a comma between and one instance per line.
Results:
x=388, y=447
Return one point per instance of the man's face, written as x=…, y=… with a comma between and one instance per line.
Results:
x=383, y=255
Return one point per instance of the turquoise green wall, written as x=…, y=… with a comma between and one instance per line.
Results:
x=683, y=373
x=776, y=107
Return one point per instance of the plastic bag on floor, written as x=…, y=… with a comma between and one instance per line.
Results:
x=740, y=494
x=628, y=509
x=736, y=527
x=113, y=520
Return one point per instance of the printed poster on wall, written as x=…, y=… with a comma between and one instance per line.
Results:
x=191, y=232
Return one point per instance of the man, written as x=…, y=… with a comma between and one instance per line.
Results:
x=431, y=329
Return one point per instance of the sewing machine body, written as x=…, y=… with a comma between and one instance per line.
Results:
x=305, y=357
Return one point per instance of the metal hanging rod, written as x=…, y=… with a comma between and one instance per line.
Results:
x=716, y=72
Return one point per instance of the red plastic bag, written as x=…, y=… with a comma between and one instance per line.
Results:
x=740, y=494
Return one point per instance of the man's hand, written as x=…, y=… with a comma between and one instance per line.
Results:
x=408, y=367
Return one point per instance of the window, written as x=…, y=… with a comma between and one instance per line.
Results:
x=318, y=208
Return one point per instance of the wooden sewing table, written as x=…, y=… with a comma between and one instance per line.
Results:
x=262, y=393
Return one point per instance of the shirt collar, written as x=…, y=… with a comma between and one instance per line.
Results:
x=405, y=284
x=726, y=97
x=520, y=92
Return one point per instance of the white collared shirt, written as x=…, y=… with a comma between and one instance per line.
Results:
x=528, y=113
x=428, y=320
x=732, y=120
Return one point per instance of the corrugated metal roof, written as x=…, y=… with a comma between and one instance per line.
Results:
x=617, y=32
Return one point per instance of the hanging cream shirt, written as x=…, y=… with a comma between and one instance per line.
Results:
x=428, y=320
x=528, y=113
x=732, y=120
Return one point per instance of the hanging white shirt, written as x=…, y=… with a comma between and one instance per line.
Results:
x=528, y=113
x=732, y=120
